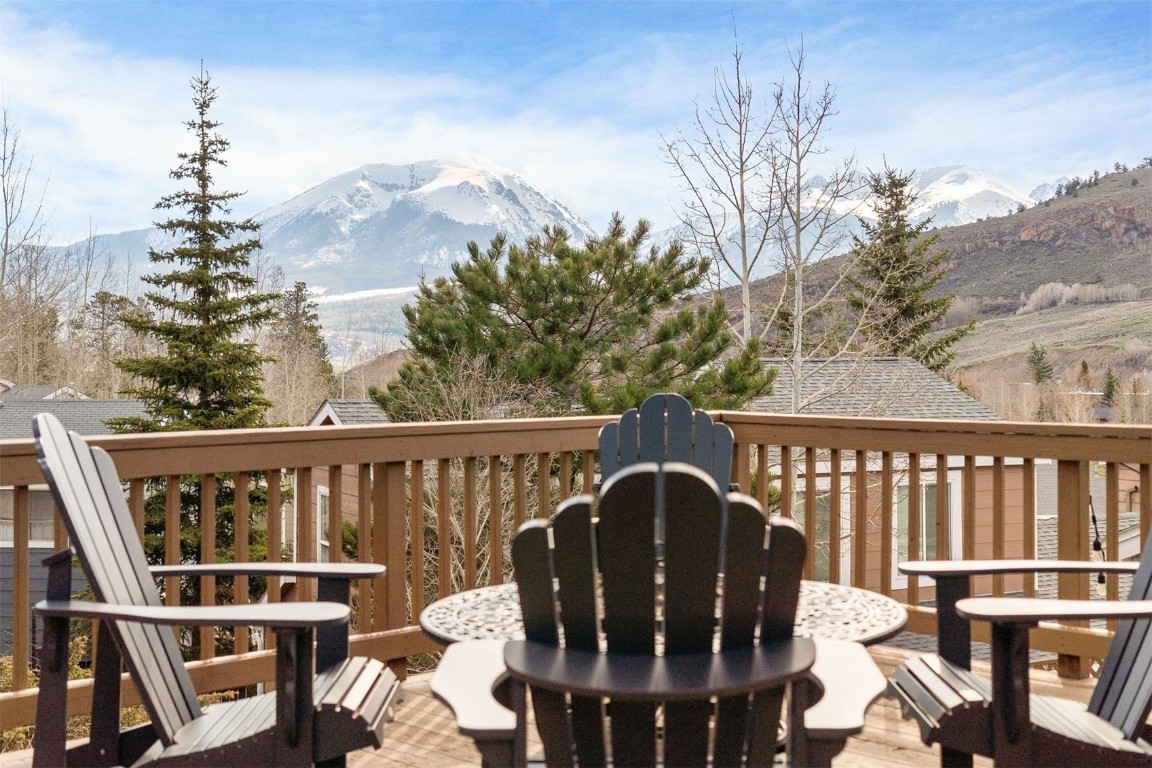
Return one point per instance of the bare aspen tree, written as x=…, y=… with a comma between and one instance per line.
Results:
x=815, y=208
x=41, y=286
x=760, y=199
x=726, y=165
x=28, y=325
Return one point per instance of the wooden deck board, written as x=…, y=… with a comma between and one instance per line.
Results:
x=424, y=734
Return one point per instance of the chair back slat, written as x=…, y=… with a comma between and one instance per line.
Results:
x=703, y=442
x=1123, y=694
x=693, y=518
x=653, y=429
x=627, y=546
x=86, y=488
x=573, y=559
x=573, y=539
x=743, y=567
x=783, y=566
x=532, y=561
x=692, y=523
x=740, y=615
x=722, y=441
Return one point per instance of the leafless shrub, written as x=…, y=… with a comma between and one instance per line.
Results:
x=1057, y=294
x=1135, y=355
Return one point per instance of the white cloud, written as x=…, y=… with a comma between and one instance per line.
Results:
x=106, y=123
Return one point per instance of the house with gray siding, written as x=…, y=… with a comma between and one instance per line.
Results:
x=83, y=415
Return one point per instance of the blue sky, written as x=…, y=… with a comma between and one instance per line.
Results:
x=572, y=95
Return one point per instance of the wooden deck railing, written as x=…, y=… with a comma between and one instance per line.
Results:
x=437, y=503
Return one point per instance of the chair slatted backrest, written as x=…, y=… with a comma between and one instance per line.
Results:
x=87, y=491
x=665, y=428
x=661, y=535
x=1123, y=694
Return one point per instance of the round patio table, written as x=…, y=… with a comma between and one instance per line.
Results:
x=833, y=611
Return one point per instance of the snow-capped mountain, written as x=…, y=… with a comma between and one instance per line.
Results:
x=384, y=226
x=1047, y=190
x=951, y=195
x=954, y=195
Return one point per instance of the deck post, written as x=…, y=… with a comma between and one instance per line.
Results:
x=1073, y=544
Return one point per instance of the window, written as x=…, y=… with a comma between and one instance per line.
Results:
x=41, y=514
x=823, y=549
x=930, y=520
x=322, y=502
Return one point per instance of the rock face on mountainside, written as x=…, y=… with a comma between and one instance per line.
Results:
x=1102, y=235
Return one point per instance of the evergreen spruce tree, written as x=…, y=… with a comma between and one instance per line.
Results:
x=896, y=273
x=1039, y=364
x=301, y=376
x=1108, y=395
x=208, y=376
x=593, y=328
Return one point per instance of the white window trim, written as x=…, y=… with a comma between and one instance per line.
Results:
x=322, y=541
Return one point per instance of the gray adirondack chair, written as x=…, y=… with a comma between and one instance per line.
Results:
x=666, y=428
x=647, y=650
x=325, y=704
x=968, y=714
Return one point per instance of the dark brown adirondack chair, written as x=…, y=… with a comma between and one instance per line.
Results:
x=665, y=428
x=635, y=640
x=968, y=714
x=325, y=704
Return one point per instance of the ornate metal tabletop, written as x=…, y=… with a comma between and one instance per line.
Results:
x=825, y=610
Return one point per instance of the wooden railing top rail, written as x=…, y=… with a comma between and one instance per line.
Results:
x=1095, y=442
x=160, y=453
x=164, y=453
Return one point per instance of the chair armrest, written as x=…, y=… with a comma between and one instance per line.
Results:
x=464, y=681
x=1029, y=610
x=938, y=568
x=851, y=682
x=679, y=677
x=279, y=615
x=314, y=570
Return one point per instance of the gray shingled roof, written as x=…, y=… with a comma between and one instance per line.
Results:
x=893, y=387
x=31, y=392
x=86, y=417
x=347, y=412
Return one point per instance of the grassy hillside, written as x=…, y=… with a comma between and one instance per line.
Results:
x=1095, y=330
x=1082, y=342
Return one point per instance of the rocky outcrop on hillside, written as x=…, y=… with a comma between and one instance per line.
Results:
x=1102, y=235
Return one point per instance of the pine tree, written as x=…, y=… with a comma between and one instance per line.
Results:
x=1039, y=364
x=895, y=274
x=1108, y=395
x=596, y=327
x=301, y=375
x=208, y=376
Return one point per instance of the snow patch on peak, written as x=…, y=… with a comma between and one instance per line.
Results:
x=957, y=194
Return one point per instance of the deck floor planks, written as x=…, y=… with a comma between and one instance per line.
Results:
x=424, y=734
